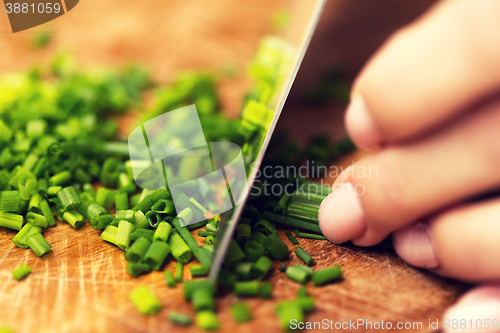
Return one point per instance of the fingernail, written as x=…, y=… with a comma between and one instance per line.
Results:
x=414, y=245
x=478, y=312
x=361, y=126
x=341, y=216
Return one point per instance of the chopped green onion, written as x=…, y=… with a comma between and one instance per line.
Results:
x=20, y=238
x=265, y=227
x=207, y=320
x=121, y=200
x=104, y=197
x=95, y=210
x=136, y=252
x=9, y=201
x=247, y=288
x=156, y=254
x=241, y=312
x=254, y=250
x=180, y=250
x=52, y=191
x=127, y=215
x=198, y=270
x=21, y=272
x=226, y=278
x=138, y=233
x=204, y=257
x=302, y=254
x=297, y=274
x=289, y=314
x=263, y=265
x=179, y=318
x=69, y=198
x=141, y=221
x=308, y=235
x=190, y=286
x=169, y=277
x=327, y=275
x=74, y=218
x=210, y=240
x=109, y=234
x=47, y=212
x=258, y=237
x=291, y=238
x=162, y=232
x=302, y=292
x=124, y=231
x=163, y=206
x=244, y=270
x=243, y=232
x=275, y=247
x=38, y=244
x=145, y=301
x=203, y=299
x=292, y=222
x=234, y=254
x=266, y=290
x=101, y=221
x=179, y=270
x=125, y=183
x=11, y=221
x=138, y=268
x=60, y=179
x=36, y=219
x=204, y=233
x=110, y=172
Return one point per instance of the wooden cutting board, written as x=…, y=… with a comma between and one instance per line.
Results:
x=82, y=286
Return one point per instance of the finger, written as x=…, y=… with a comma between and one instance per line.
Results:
x=458, y=243
x=400, y=184
x=427, y=73
x=477, y=311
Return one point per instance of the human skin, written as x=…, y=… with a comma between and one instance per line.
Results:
x=428, y=106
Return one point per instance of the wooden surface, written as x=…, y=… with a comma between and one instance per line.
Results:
x=82, y=286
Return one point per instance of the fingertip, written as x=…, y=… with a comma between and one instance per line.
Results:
x=414, y=245
x=362, y=128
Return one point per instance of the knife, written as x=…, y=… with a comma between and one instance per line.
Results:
x=301, y=32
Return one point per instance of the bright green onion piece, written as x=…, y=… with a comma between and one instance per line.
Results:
x=136, y=252
x=123, y=234
x=21, y=272
x=265, y=227
x=291, y=238
x=47, y=212
x=138, y=268
x=296, y=274
x=121, y=200
x=210, y=240
x=169, y=278
x=180, y=250
x=179, y=318
x=244, y=270
x=254, y=250
x=36, y=219
x=207, y=320
x=327, y=275
x=275, y=247
x=109, y=234
x=211, y=227
x=190, y=286
x=145, y=204
x=34, y=203
x=94, y=210
x=241, y=312
x=302, y=292
x=141, y=221
x=20, y=238
x=202, y=255
x=164, y=206
x=138, y=233
x=266, y=290
x=11, y=221
x=259, y=237
x=247, y=288
x=204, y=233
x=309, y=271
x=145, y=301
x=156, y=254
x=289, y=314
x=263, y=266
x=53, y=190
x=101, y=221
x=69, y=198
x=179, y=270
x=186, y=216
x=162, y=232
x=105, y=197
x=110, y=172
x=74, y=218
x=203, y=299
x=38, y=244
x=234, y=255
x=9, y=201
x=60, y=179
x=304, y=256
x=305, y=303
x=308, y=235
x=198, y=270
x=125, y=183
x=127, y=215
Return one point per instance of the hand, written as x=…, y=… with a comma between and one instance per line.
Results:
x=429, y=102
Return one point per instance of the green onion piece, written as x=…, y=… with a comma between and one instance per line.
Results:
x=81, y=176
x=292, y=222
x=266, y=290
x=265, y=227
x=204, y=233
x=263, y=265
x=94, y=210
x=136, y=252
x=327, y=275
x=21, y=272
x=291, y=238
x=226, y=278
x=296, y=274
x=288, y=315
x=312, y=197
x=190, y=286
x=211, y=227
x=156, y=254
x=309, y=271
x=234, y=254
x=241, y=312
x=164, y=206
x=203, y=299
x=75, y=219
x=36, y=219
x=179, y=318
x=145, y=301
x=27, y=186
x=38, y=244
x=197, y=225
x=198, y=270
x=258, y=237
x=282, y=204
x=11, y=221
x=30, y=161
x=125, y=183
x=185, y=217
x=125, y=229
x=179, y=270
x=298, y=207
x=210, y=240
x=141, y=221
x=305, y=303
x=180, y=250
x=109, y=234
x=110, y=172
x=9, y=201
x=304, y=256
x=86, y=198
x=127, y=215
x=60, y=179
x=162, y=232
x=101, y=221
x=53, y=190
x=145, y=204
x=47, y=212
x=137, y=268
x=254, y=250
x=207, y=320
x=138, y=233
x=105, y=197
x=244, y=270
x=169, y=278
x=160, y=194
x=69, y=198
x=247, y=288
x=41, y=165
x=302, y=292
x=88, y=188
x=275, y=247
x=20, y=238
x=243, y=232
x=43, y=185
x=204, y=257
x=308, y=235
x=134, y=200
x=121, y=200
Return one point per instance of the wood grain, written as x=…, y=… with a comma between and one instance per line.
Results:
x=82, y=286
